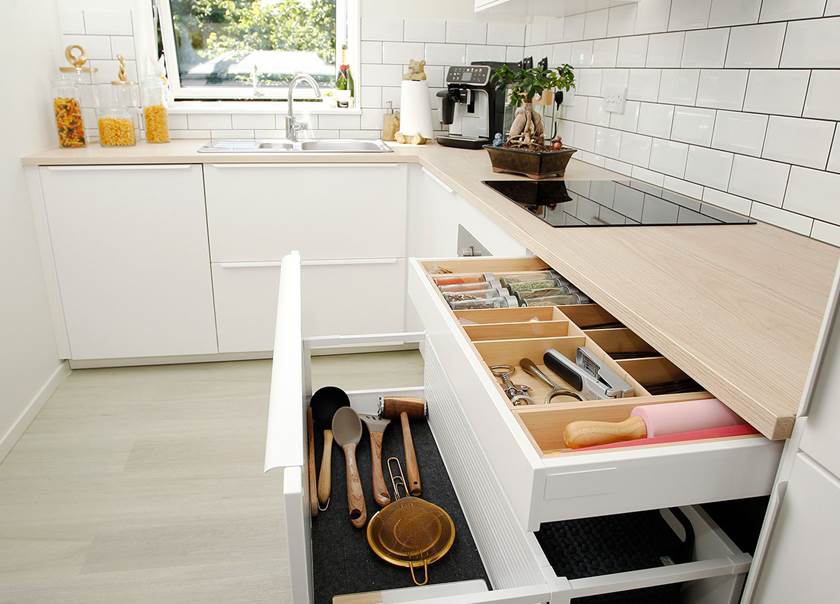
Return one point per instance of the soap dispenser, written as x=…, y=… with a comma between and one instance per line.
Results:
x=390, y=123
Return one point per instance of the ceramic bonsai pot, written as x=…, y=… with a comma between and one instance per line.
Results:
x=533, y=164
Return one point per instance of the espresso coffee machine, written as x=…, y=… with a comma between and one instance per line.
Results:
x=471, y=106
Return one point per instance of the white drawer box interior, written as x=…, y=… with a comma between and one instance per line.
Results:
x=543, y=480
x=263, y=211
x=339, y=298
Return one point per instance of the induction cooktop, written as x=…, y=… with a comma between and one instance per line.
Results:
x=630, y=202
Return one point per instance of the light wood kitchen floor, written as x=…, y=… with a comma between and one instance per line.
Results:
x=145, y=484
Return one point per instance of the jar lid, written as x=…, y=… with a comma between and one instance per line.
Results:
x=77, y=57
x=122, y=75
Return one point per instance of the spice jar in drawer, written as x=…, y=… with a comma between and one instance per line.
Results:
x=66, y=98
x=118, y=111
x=155, y=116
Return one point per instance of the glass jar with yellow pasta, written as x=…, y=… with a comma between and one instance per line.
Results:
x=155, y=116
x=116, y=127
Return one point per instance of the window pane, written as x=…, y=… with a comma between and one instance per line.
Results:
x=222, y=42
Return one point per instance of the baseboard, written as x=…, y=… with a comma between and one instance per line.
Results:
x=26, y=416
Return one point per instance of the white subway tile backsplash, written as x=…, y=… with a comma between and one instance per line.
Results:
x=467, y=32
x=382, y=75
x=123, y=45
x=644, y=84
x=759, y=179
x=655, y=119
x=786, y=220
x=755, y=45
x=209, y=121
x=371, y=51
x=823, y=99
x=679, y=86
x=665, y=50
x=618, y=166
x=799, y=141
x=734, y=12
x=693, y=125
x=514, y=53
x=814, y=193
x=632, y=51
x=402, y=52
x=627, y=120
x=585, y=137
x=108, y=22
x=581, y=54
x=668, y=157
x=782, y=10
x=705, y=48
x=652, y=16
x=507, y=34
x=435, y=75
x=826, y=232
x=812, y=43
x=683, y=186
x=689, y=14
x=371, y=119
x=739, y=132
x=231, y=134
x=834, y=155
x=429, y=30
x=536, y=32
x=177, y=121
x=561, y=54
x=339, y=122
x=589, y=82
x=71, y=21
x=654, y=178
x=252, y=121
x=607, y=142
x=595, y=24
x=614, y=79
x=446, y=54
x=604, y=52
x=573, y=26
x=189, y=134
x=574, y=107
x=382, y=28
x=96, y=47
x=635, y=149
x=832, y=7
x=780, y=91
x=370, y=96
x=553, y=30
x=621, y=20
x=722, y=88
x=595, y=113
x=708, y=167
x=727, y=201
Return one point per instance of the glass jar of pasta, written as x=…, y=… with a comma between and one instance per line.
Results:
x=66, y=98
x=118, y=111
x=155, y=117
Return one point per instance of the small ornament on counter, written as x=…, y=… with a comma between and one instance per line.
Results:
x=410, y=139
x=416, y=70
x=67, y=105
x=497, y=140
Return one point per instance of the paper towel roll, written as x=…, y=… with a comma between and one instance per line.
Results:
x=415, y=109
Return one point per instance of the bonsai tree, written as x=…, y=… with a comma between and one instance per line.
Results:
x=527, y=129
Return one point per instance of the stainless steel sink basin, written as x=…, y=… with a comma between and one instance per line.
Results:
x=284, y=146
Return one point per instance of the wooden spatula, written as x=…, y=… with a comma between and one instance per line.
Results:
x=376, y=428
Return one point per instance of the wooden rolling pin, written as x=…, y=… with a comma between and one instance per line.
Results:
x=647, y=421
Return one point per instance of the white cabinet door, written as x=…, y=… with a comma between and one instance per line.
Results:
x=326, y=211
x=433, y=212
x=801, y=561
x=340, y=297
x=131, y=255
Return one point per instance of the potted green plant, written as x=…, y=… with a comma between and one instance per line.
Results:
x=525, y=151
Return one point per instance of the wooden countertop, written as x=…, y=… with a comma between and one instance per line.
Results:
x=738, y=308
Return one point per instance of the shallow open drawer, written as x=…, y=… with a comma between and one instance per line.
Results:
x=542, y=479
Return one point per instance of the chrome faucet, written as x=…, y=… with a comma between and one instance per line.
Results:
x=292, y=125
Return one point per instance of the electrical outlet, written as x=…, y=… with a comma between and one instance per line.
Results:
x=614, y=99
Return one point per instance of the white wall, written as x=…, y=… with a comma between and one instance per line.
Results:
x=28, y=355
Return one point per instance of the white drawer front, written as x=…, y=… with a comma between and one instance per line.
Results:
x=338, y=299
x=558, y=487
x=263, y=211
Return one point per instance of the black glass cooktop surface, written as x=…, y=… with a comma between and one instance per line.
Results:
x=587, y=203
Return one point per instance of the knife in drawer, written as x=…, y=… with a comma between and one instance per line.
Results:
x=593, y=386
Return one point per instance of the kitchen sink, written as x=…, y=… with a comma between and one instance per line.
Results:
x=285, y=146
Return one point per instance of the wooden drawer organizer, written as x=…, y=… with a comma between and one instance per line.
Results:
x=543, y=480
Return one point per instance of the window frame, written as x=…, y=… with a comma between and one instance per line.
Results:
x=347, y=12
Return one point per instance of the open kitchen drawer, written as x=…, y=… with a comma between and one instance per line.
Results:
x=543, y=480
x=513, y=559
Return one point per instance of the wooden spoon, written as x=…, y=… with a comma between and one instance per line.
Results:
x=347, y=431
x=325, y=402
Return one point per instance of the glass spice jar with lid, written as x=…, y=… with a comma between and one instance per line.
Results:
x=66, y=98
x=118, y=111
x=155, y=116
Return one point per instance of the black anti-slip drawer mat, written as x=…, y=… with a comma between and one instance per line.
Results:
x=590, y=547
x=343, y=562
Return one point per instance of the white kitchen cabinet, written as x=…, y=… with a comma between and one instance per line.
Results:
x=433, y=212
x=340, y=297
x=800, y=564
x=259, y=212
x=129, y=247
x=516, y=566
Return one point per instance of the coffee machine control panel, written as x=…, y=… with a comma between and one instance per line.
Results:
x=472, y=75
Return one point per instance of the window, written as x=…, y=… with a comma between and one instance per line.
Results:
x=251, y=49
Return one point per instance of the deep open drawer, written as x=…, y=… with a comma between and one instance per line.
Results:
x=543, y=481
